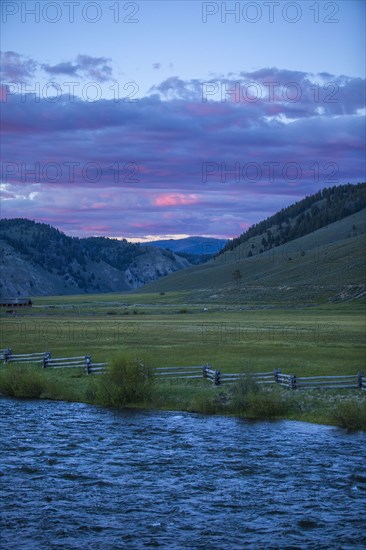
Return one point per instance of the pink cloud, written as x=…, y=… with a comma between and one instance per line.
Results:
x=176, y=199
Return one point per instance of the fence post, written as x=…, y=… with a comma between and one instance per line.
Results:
x=276, y=373
x=292, y=382
x=7, y=354
x=360, y=375
x=46, y=358
x=217, y=377
x=87, y=363
x=204, y=371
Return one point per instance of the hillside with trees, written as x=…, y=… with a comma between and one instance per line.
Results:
x=314, y=212
x=310, y=252
x=39, y=259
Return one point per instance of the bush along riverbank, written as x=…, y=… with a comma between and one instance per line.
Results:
x=128, y=384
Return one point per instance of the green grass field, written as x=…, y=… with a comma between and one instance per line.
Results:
x=171, y=330
x=166, y=330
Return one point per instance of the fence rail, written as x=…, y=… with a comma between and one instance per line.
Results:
x=290, y=381
x=259, y=377
x=9, y=357
x=81, y=361
x=180, y=372
x=47, y=361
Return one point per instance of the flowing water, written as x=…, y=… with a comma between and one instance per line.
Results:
x=78, y=476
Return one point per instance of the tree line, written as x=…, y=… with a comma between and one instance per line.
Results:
x=301, y=218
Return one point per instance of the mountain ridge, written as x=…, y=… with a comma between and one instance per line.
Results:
x=200, y=246
x=276, y=253
x=325, y=264
x=38, y=259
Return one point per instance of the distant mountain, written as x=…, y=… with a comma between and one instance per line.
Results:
x=199, y=246
x=311, y=251
x=37, y=259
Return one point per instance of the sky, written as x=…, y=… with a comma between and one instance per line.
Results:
x=162, y=119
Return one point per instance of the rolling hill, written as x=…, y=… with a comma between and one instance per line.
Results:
x=37, y=259
x=322, y=259
x=311, y=251
x=198, y=246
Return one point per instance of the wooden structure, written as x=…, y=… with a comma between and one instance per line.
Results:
x=45, y=359
x=290, y=381
x=15, y=302
x=10, y=357
x=180, y=372
x=322, y=381
x=82, y=361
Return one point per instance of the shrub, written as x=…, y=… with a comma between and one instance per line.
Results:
x=250, y=400
x=21, y=381
x=205, y=403
x=241, y=391
x=126, y=382
x=267, y=404
x=350, y=414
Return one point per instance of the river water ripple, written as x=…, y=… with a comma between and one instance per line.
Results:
x=77, y=476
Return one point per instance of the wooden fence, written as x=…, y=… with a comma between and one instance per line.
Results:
x=259, y=377
x=181, y=372
x=47, y=361
x=290, y=381
x=362, y=381
x=322, y=381
x=82, y=361
x=9, y=357
x=217, y=378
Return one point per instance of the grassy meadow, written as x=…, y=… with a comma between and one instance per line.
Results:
x=171, y=330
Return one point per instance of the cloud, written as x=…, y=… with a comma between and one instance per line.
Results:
x=174, y=163
x=66, y=68
x=17, y=68
x=176, y=199
x=272, y=90
x=95, y=68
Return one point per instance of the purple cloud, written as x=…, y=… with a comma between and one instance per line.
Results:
x=174, y=163
x=16, y=68
x=61, y=68
x=95, y=68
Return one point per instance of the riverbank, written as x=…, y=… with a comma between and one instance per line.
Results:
x=122, y=388
x=172, y=330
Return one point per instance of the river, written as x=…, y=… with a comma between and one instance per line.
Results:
x=78, y=476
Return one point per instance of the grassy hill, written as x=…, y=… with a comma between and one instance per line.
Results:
x=327, y=264
x=305, y=216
